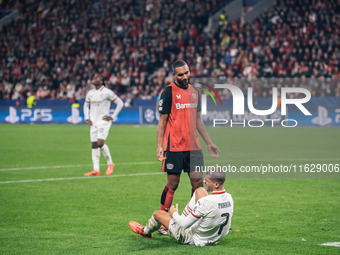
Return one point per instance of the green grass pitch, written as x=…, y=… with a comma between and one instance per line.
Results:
x=47, y=206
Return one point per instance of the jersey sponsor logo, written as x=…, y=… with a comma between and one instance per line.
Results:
x=169, y=166
x=160, y=102
x=185, y=106
x=178, y=96
x=96, y=103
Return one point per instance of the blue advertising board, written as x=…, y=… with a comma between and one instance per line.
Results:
x=325, y=112
x=57, y=111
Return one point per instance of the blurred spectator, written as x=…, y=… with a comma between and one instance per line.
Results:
x=30, y=101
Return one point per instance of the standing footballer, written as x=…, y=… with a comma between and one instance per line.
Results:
x=178, y=146
x=98, y=117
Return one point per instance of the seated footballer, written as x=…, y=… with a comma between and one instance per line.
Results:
x=205, y=220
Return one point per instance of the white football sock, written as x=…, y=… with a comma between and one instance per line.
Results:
x=151, y=226
x=95, y=159
x=106, y=153
x=189, y=207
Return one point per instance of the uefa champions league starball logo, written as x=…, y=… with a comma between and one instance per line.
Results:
x=149, y=115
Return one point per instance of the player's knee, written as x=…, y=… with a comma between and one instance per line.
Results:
x=94, y=145
x=156, y=215
x=172, y=185
x=100, y=143
x=199, y=193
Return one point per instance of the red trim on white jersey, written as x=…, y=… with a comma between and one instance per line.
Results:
x=195, y=215
x=101, y=88
x=217, y=192
x=189, y=209
x=114, y=98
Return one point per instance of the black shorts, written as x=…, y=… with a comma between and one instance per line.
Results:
x=176, y=161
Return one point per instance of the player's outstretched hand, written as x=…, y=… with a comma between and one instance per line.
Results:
x=89, y=122
x=160, y=154
x=213, y=150
x=173, y=209
x=107, y=118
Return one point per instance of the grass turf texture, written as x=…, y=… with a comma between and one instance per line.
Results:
x=91, y=215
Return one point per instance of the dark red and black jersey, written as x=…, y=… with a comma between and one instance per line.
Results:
x=182, y=106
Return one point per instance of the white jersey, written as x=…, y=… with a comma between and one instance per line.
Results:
x=209, y=221
x=100, y=104
x=214, y=212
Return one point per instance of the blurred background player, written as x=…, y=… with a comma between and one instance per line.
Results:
x=205, y=220
x=179, y=108
x=98, y=117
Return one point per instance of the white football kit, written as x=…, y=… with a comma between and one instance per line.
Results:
x=100, y=104
x=207, y=223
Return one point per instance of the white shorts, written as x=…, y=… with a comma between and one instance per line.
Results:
x=99, y=131
x=182, y=235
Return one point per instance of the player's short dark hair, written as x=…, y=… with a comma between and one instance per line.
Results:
x=103, y=78
x=178, y=63
x=217, y=176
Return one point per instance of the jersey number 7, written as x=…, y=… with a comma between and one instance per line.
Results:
x=225, y=223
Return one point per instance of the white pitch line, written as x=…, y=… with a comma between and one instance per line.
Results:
x=39, y=167
x=156, y=162
x=82, y=165
x=79, y=178
x=334, y=244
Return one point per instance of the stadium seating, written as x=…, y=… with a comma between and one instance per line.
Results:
x=56, y=46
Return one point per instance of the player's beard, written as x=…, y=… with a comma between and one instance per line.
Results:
x=97, y=85
x=183, y=83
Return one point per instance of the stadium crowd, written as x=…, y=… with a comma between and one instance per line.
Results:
x=55, y=47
